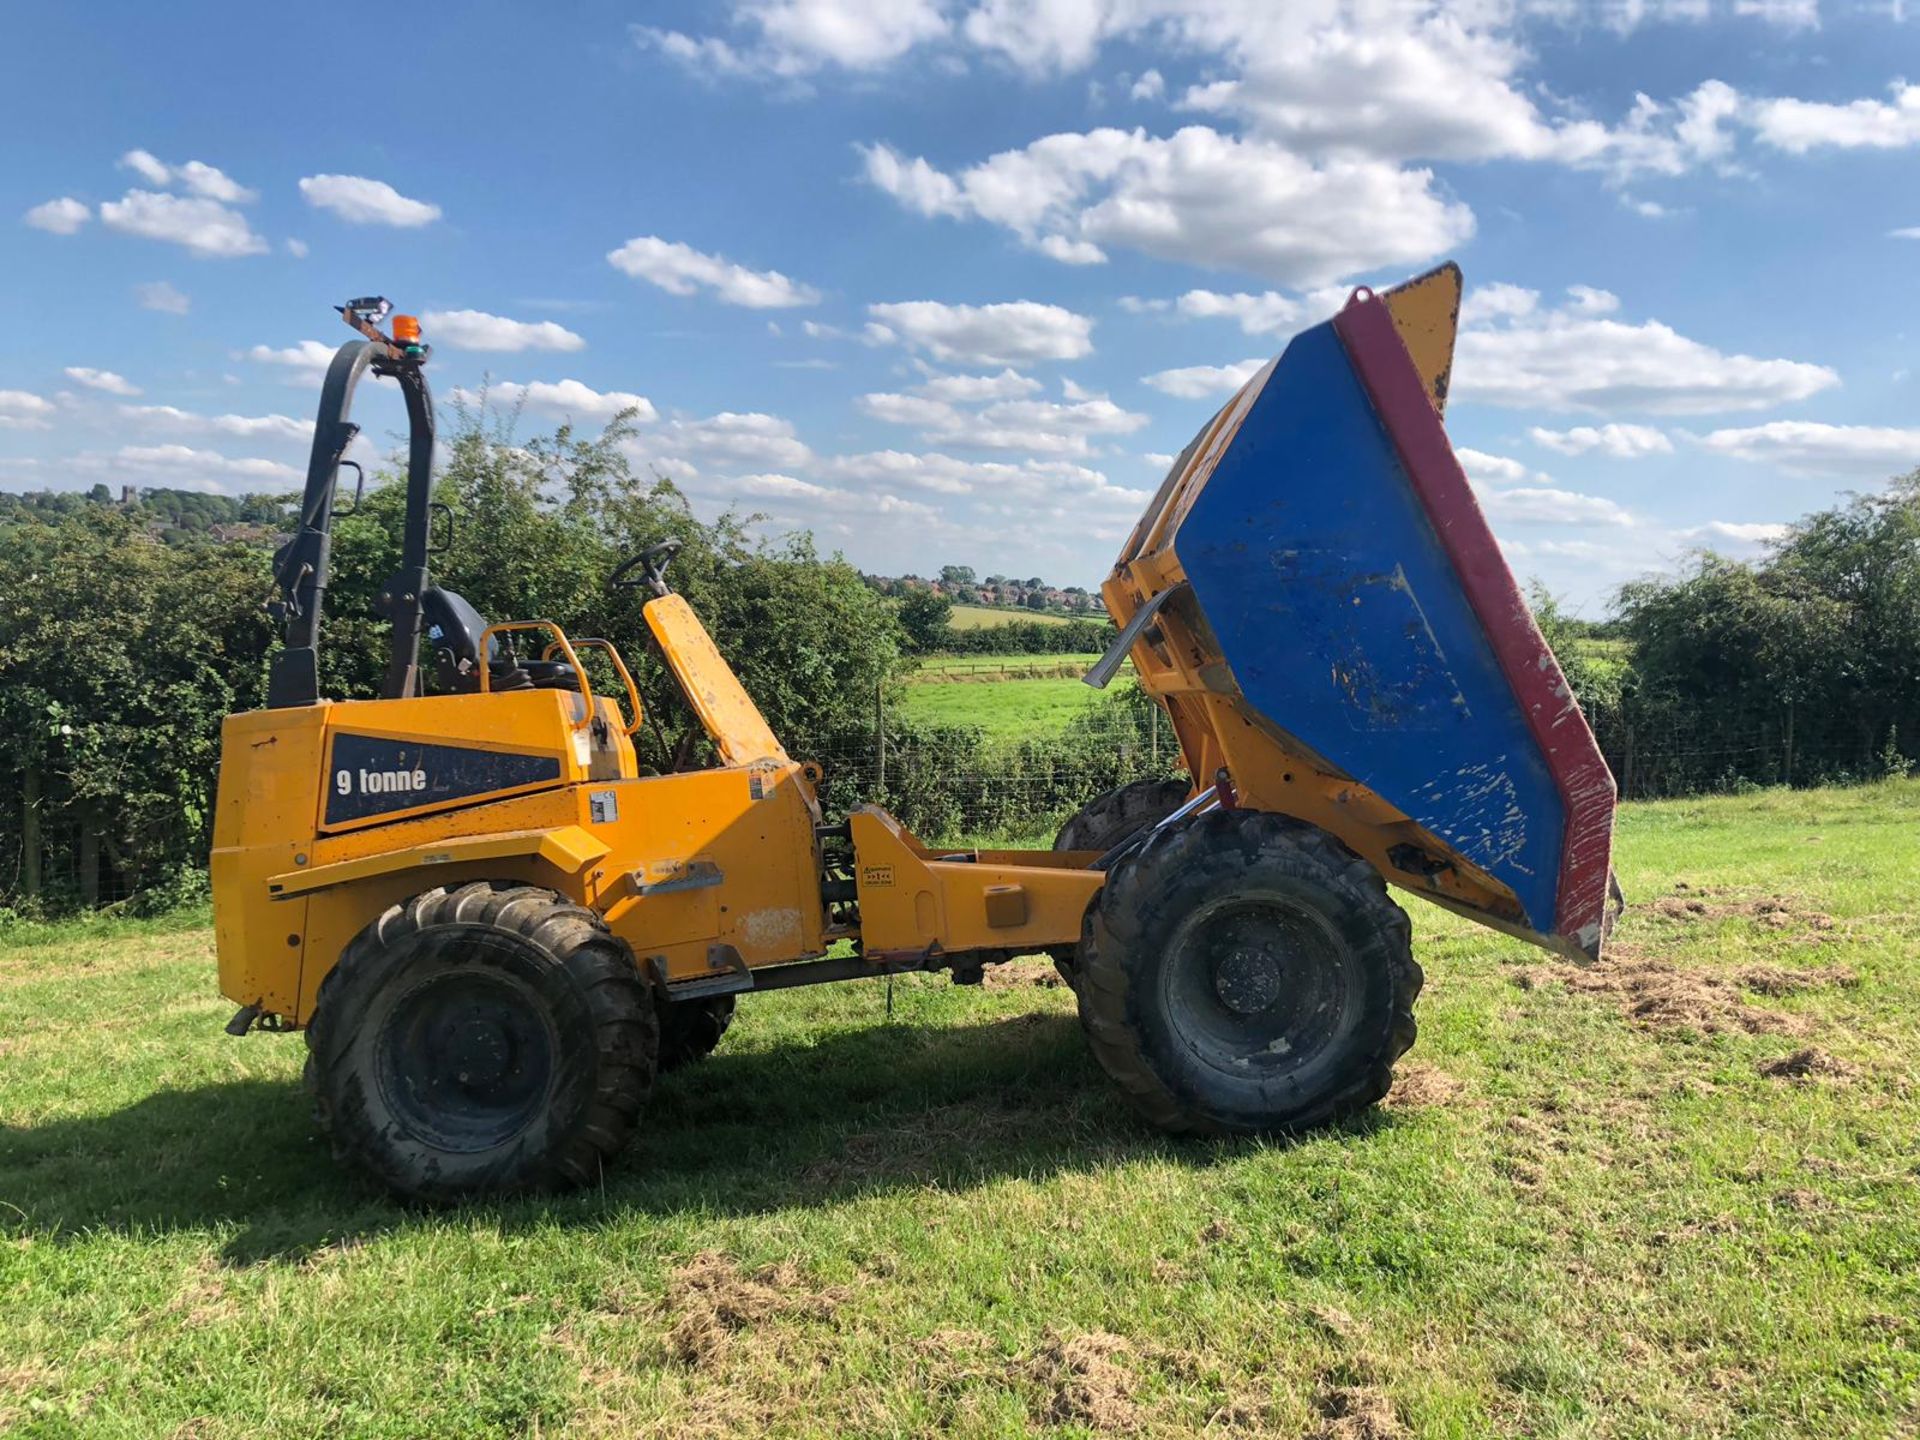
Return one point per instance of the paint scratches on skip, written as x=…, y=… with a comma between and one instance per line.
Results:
x=1484, y=818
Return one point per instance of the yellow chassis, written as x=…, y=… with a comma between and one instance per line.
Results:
x=713, y=878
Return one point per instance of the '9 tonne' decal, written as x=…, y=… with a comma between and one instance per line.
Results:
x=374, y=776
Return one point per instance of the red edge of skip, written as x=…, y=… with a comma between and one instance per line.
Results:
x=1579, y=771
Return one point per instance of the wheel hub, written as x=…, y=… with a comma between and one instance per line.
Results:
x=468, y=1059
x=479, y=1052
x=1247, y=980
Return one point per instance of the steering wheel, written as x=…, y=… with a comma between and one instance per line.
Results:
x=651, y=563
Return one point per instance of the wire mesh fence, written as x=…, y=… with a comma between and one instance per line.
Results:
x=965, y=784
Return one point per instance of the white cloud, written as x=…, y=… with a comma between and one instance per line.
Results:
x=104, y=380
x=58, y=217
x=161, y=296
x=23, y=410
x=868, y=334
x=1009, y=384
x=681, y=270
x=1484, y=469
x=800, y=37
x=296, y=248
x=477, y=330
x=195, y=176
x=149, y=169
x=566, y=397
x=1337, y=81
x=1909, y=232
x=1738, y=532
x=1071, y=252
x=361, y=201
x=204, y=227
x=1035, y=481
x=1484, y=304
x=1197, y=197
x=777, y=488
x=1805, y=447
x=308, y=360
x=1039, y=426
x=204, y=462
x=1621, y=442
x=1386, y=83
x=1268, y=313
x=896, y=409
x=751, y=438
x=1511, y=352
x=248, y=427
x=1797, y=126
x=1197, y=382
x=1017, y=332
x=1529, y=505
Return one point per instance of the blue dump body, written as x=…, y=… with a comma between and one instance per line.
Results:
x=1345, y=619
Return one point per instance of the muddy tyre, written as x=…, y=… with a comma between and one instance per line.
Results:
x=483, y=1040
x=1246, y=973
x=690, y=1029
x=1106, y=821
x=1110, y=818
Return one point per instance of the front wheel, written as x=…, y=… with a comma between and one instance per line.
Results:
x=1246, y=973
x=488, y=1039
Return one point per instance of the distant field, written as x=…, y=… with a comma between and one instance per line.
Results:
x=1004, y=707
x=1005, y=695
x=1668, y=1196
x=985, y=617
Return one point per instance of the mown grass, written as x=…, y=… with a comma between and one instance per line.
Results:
x=1590, y=1212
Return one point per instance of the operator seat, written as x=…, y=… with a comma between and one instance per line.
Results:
x=455, y=628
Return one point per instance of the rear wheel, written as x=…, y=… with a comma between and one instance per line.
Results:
x=1125, y=810
x=487, y=1039
x=1245, y=972
x=1108, y=819
x=690, y=1029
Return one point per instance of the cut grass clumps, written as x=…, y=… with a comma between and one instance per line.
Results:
x=1668, y=1195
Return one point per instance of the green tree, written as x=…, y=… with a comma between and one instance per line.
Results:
x=927, y=620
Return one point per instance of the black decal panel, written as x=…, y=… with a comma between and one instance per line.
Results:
x=371, y=776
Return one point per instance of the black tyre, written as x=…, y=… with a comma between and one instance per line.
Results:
x=1107, y=820
x=689, y=1029
x=1246, y=973
x=489, y=1039
x=1110, y=818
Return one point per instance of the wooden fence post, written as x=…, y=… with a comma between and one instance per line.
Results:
x=30, y=835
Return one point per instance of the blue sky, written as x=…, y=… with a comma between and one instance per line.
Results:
x=948, y=280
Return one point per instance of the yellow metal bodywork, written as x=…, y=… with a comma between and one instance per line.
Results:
x=739, y=730
x=701, y=873
x=1178, y=661
x=912, y=898
x=1426, y=315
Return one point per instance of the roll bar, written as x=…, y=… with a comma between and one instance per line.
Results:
x=302, y=567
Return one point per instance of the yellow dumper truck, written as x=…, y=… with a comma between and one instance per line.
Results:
x=495, y=931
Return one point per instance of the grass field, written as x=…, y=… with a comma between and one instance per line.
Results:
x=1008, y=696
x=982, y=617
x=1677, y=1194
